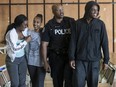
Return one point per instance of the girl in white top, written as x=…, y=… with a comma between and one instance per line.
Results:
x=16, y=42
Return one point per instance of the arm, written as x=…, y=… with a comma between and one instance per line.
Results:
x=104, y=44
x=13, y=38
x=44, y=55
x=72, y=46
x=45, y=42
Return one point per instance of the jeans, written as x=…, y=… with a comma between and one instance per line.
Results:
x=86, y=71
x=17, y=71
x=37, y=75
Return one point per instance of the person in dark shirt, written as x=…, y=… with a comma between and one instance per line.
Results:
x=87, y=39
x=56, y=36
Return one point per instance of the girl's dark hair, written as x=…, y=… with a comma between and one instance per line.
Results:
x=40, y=16
x=17, y=22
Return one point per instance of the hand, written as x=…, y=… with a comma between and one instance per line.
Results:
x=72, y=64
x=105, y=66
x=47, y=67
x=28, y=38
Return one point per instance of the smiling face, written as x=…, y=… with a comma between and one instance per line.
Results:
x=37, y=23
x=94, y=12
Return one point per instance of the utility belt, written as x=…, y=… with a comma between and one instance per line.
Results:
x=59, y=51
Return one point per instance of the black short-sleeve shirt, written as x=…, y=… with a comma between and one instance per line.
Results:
x=58, y=34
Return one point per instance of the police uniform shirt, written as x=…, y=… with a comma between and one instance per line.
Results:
x=57, y=34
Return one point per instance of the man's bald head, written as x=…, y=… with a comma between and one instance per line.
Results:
x=57, y=10
x=55, y=7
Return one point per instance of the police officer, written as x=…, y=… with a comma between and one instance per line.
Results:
x=56, y=36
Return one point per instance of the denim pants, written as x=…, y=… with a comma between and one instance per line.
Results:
x=17, y=71
x=86, y=71
x=37, y=75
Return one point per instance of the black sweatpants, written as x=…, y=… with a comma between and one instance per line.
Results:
x=61, y=72
x=86, y=71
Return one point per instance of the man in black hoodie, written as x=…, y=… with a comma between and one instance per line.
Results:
x=87, y=39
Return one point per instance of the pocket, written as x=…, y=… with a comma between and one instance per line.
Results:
x=96, y=33
x=96, y=30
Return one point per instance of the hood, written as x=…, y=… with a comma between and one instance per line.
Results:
x=88, y=8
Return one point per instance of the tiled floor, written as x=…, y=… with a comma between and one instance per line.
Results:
x=48, y=83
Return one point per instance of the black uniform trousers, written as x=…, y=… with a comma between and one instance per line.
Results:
x=61, y=72
x=86, y=71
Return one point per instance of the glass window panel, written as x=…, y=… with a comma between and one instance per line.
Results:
x=18, y=1
x=31, y=14
x=16, y=10
x=71, y=1
x=52, y=1
x=48, y=13
x=106, y=9
x=82, y=10
x=86, y=0
x=4, y=20
x=4, y=1
x=115, y=27
x=35, y=1
x=71, y=10
x=104, y=0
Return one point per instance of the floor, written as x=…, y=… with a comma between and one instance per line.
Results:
x=48, y=83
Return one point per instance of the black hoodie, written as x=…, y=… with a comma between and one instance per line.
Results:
x=87, y=39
